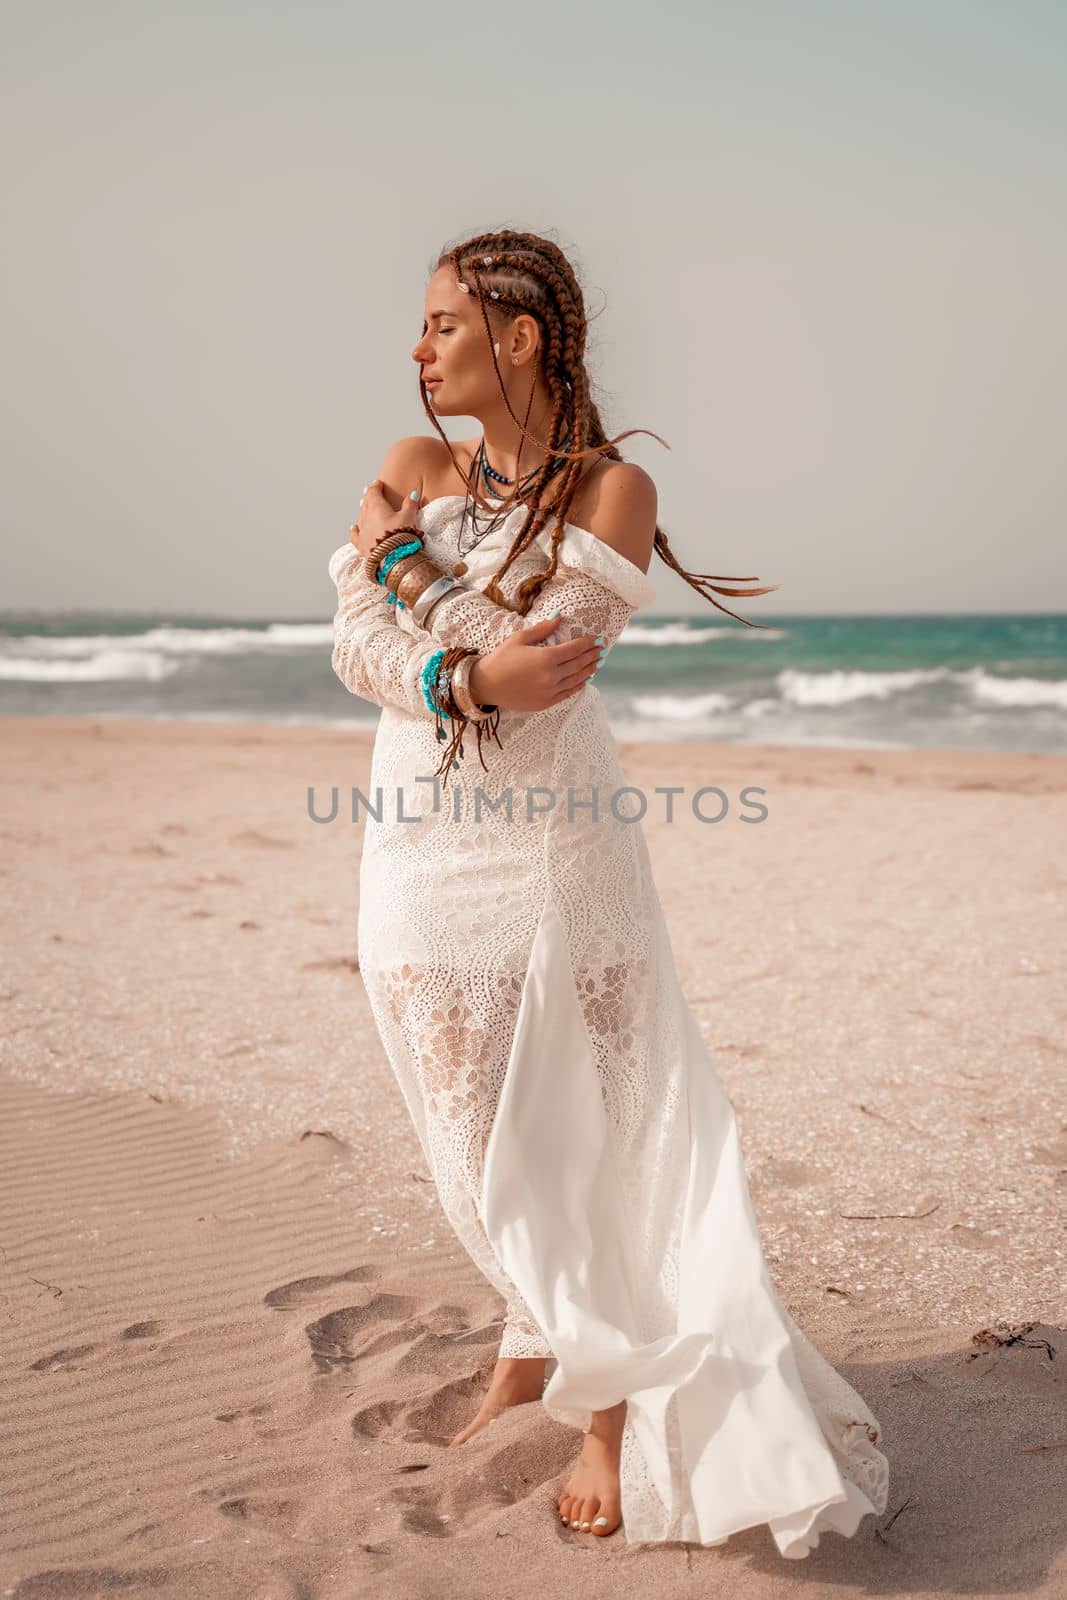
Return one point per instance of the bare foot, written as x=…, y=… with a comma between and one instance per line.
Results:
x=515, y=1380
x=590, y=1501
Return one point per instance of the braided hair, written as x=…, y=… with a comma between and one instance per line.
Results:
x=515, y=272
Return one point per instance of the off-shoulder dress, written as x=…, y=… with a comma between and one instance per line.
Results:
x=515, y=955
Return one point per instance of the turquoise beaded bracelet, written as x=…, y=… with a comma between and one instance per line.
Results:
x=429, y=677
x=390, y=560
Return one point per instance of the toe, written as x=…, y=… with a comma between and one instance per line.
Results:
x=607, y=1518
x=585, y=1514
x=563, y=1505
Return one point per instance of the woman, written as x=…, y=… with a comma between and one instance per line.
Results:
x=516, y=958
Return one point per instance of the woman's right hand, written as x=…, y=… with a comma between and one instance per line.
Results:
x=521, y=674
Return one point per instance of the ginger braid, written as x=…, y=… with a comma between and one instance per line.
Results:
x=528, y=273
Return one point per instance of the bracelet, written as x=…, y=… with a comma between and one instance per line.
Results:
x=414, y=573
x=405, y=576
x=429, y=681
x=389, y=541
x=411, y=576
x=462, y=695
x=394, y=555
x=447, y=668
x=421, y=608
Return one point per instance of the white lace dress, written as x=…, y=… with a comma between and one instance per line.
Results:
x=519, y=970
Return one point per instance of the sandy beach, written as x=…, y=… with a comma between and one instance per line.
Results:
x=236, y=1332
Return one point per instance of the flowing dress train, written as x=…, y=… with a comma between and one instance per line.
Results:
x=518, y=966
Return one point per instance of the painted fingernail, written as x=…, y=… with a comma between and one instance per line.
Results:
x=552, y=614
x=599, y=639
x=414, y=494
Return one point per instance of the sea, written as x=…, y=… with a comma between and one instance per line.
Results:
x=967, y=682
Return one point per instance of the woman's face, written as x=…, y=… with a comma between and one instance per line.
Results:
x=454, y=352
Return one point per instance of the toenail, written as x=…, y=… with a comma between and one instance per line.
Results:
x=601, y=1522
x=574, y=1524
x=585, y=1524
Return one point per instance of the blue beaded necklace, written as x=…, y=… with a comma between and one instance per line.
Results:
x=470, y=515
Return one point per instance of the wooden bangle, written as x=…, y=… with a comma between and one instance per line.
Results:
x=413, y=576
x=462, y=694
x=390, y=540
x=412, y=562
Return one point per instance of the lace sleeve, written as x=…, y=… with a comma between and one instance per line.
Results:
x=371, y=655
x=594, y=588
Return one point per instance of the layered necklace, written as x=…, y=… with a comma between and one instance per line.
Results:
x=483, y=473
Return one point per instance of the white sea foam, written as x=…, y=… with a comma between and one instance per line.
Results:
x=838, y=688
x=672, y=633
x=103, y=666
x=1018, y=691
x=178, y=641
x=680, y=708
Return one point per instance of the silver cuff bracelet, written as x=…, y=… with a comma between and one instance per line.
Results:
x=429, y=597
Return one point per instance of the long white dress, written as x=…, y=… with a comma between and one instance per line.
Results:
x=520, y=974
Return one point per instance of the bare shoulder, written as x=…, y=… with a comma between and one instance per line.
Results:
x=621, y=506
x=416, y=461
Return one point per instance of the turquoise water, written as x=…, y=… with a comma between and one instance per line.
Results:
x=957, y=682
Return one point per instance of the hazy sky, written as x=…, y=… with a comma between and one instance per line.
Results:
x=824, y=246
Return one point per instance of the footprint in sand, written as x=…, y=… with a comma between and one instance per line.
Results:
x=428, y=1332
x=415, y=1336
x=74, y=1583
x=376, y=1421
x=340, y=1336
x=437, y=1415
x=433, y=1418
x=252, y=1413
x=420, y=1515
x=148, y=1330
x=525, y=1465
x=301, y=1289
x=72, y=1358
x=273, y=1513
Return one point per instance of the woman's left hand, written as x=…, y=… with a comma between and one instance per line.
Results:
x=378, y=515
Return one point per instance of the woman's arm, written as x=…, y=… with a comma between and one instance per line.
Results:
x=371, y=655
x=586, y=606
x=600, y=580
